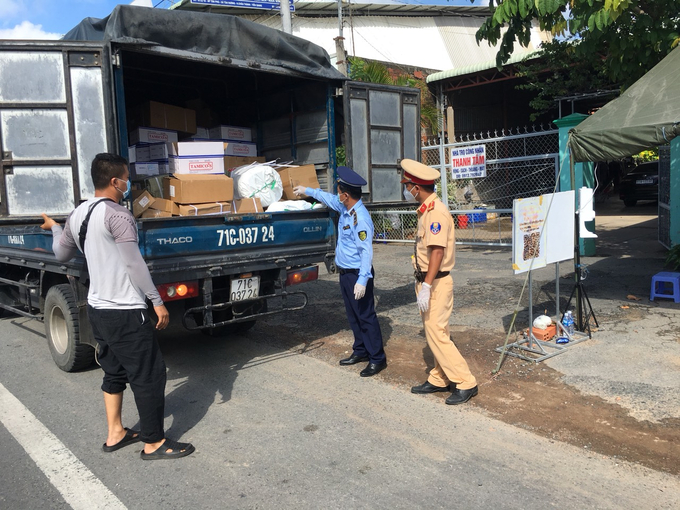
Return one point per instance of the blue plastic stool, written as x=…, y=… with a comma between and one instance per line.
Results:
x=659, y=288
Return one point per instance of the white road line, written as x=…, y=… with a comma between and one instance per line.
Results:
x=77, y=484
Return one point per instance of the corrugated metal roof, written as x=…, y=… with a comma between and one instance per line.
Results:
x=481, y=66
x=419, y=35
x=393, y=7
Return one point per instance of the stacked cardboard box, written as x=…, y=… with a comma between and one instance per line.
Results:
x=164, y=116
x=195, y=157
x=196, y=195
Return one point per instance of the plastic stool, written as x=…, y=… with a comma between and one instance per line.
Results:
x=659, y=281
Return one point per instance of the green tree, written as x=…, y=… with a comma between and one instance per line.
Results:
x=376, y=72
x=627, y=37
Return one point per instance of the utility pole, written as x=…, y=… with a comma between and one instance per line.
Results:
x=285, y=16
x=340, y=56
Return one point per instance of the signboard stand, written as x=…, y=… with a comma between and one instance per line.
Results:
x=542, y=234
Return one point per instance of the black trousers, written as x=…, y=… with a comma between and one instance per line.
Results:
x=129, y=354
x=368, y=339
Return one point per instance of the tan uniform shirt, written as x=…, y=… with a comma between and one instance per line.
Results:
x=435, y=228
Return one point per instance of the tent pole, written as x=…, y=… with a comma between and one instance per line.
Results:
x=577, y=241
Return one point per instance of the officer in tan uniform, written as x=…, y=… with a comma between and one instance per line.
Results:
x=433, y=260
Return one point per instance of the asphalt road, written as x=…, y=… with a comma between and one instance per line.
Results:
x=277, y=428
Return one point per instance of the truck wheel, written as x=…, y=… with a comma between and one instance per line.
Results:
x=629, y=202
x=62, y=325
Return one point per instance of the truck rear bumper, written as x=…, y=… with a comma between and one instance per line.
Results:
x=215, y=315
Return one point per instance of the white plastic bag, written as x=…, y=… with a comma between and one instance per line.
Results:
x=542, y=322
x=257, y=180
x=293, y=205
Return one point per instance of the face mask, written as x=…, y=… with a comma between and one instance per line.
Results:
x=125, y=193
x=408, y=195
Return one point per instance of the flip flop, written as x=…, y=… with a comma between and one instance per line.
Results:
x=131, y=436
x=178, y=450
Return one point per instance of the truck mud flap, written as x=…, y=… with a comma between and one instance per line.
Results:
x=278, y=301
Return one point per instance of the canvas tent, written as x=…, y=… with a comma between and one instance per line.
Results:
x=646, y=115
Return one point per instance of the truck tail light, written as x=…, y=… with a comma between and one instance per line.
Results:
x=177, y=290
x=301, y=275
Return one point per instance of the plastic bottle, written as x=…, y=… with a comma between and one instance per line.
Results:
x=568, y=323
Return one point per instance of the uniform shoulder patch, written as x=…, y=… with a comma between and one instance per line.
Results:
x=435, y=227
x=422, y=208
x=431, y=206
x=363, y=235
x=354, y=215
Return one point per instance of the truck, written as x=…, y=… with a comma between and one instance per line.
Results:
x=62, y=102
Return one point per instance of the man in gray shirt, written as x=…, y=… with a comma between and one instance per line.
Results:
x=120, y=282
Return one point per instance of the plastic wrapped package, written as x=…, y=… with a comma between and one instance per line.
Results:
x=257, y=180
x=294, y=205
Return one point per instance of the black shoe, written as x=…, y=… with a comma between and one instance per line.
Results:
x=461, y=396
x=353, y=360
x=373, y=368
x=426, y=387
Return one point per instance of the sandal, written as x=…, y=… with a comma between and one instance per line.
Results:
x=178, y=450
x=131, y=436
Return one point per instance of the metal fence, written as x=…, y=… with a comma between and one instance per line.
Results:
x=519, y=163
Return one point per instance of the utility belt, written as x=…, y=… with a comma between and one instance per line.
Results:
x=342, y=270
x=420, y=276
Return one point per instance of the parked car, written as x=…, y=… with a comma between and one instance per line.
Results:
x=642, y=183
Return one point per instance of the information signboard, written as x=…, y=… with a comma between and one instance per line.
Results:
x=245, y=4
x=468, y=162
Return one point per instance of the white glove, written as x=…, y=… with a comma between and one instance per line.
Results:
x=359, y=291
x=299, y=190
x=424, y=297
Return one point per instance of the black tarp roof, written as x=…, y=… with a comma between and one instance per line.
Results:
x=207, y=34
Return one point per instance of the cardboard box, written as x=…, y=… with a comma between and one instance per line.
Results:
x=240, y=149
x=141, y=204
x=165, y=205
x=196, y=165
x=164, y=116
x=201, y=133
x=138, y=153
x=204, y=115
x=152, y=135
x=155, y=213
x=195, y=157
x=195, y=148
x=231, y=162
x=143, y=170
x=297, y=176
x=158, y=151
x=246, y=205
x=198, y=189
x=236, y=133
x=204, y=209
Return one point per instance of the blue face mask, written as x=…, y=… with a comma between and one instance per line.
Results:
x=125, y=193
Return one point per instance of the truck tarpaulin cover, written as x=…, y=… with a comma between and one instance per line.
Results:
x=646, y=115
x=209, y=34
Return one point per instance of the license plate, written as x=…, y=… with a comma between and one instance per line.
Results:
x=244, y=288
x=644, y=181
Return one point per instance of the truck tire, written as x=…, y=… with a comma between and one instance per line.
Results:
x=62, y=326
x=629, y=202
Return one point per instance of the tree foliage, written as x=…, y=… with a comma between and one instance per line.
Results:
x=376, y=72
x=628, y=37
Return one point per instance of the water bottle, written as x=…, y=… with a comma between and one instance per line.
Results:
x=569, y=323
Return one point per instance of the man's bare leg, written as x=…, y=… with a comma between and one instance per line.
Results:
x=113, y=402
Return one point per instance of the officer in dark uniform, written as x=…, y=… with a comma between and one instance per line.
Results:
x=354, y=259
